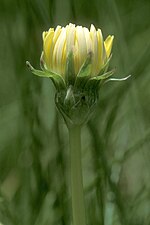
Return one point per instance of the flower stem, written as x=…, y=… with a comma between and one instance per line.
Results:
x=76, y=176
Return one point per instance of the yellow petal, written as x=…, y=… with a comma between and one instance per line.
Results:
x=63, y=60
x=94, y=38
x=56, y=34
x=108, y=45
x=76, y=56
x=47, y=45
x=58, y=51
x=70, y=37
x=55, y=37
x=81, y=41
x=44, y=34
x=101, y=51
x=88, y=40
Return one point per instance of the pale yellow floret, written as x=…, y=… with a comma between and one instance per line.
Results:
x=58, y=51
x=94, y=49
x=108, y=45
x=55, y=37
x=47, y=45
x=100, y=49
x=54, y=52
x=56, y=34
x=44, y=34
x=88, y=40
x=76, y=56
x=81, y=41
x=70, y=37
x=64, y=55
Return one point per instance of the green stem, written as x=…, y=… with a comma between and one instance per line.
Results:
x=76, y=176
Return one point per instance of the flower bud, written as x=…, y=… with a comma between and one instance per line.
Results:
x=76, y=59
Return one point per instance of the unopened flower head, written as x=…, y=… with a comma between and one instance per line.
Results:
x=76, y=59
x=58, y=43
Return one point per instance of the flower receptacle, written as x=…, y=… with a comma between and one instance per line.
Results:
x=76, y=105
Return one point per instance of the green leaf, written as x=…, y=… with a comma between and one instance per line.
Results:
x=56, y=78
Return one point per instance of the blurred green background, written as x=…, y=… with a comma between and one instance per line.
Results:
x=34, y=153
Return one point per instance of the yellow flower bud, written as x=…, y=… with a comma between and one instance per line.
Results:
x=58, y=43
x=76, y=59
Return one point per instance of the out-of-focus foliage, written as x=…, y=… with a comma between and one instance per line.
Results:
x=34, y=154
